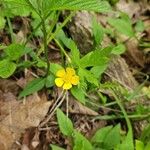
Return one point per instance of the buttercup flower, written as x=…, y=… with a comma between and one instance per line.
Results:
x=66, y=78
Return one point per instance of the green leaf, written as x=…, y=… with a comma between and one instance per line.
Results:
x=101, y=134
x=65, y=124
x=2, y=22
x=147, y=146
x=90, y=5
x=54, y=147
x=17, y=8
x=89, y=76
x=80, y=142
x=98, y=70
x=123, y=25
x=78, y=93
x=94, y=58
x=7, y=68
x=119, y=49
x=33, y=86
x=98, y=32
x=50, y=81
x=127, y=142
x=139, y=145
x=113, y=138
x=70, y=44
x=139, y=27
x=15, y=51
x=55, y=67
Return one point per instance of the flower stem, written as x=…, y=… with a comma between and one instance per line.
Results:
x=52, y=36
x=45, y=46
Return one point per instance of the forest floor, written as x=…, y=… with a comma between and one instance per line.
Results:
x=30, y=121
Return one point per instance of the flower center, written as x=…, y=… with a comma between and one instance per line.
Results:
x=67, y=78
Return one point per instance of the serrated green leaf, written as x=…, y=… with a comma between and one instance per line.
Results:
x=98, y=70
x=17, y=8
x=78, y=93
x=90, y=5
x=15, y=51
x=101, y=134
x=65, y=124
x=33, y=86
x=122, y=25
x=89, y=76
x=80, y=142
x=7, y=68
x=94, y=58
x=119, y=49
x=54, y=147
x=98, y=32
x=113, y=138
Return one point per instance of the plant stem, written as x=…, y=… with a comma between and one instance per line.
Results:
x=62, y=49
x=112, y=117
x=45, y=46
x=57, y=30
x=130, y=131
x=10, y=30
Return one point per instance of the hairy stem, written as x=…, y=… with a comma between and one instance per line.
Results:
x=45, y=46
x=52, y=36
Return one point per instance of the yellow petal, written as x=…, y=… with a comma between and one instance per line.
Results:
x=75, y=80
x=59, y=82
x=61, y=73
x=67, y=86
x=70, y=71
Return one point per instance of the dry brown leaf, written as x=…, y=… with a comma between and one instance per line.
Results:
x=24, y=116
x=133, y=53
x=77, y=108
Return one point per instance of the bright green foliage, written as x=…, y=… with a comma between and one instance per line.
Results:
x=80, y=142
x=139, y=27
x=7, y=68
x=78, y=93
x=119, y=49
x=123, y=25
x=90, y=5
x=114, y=137
x=15, y=51
x=65, y=124
x=98, y=32
x=94, y=58
x=33, y=86
x=2, y=22
x=127, y=142
x=139, y=145
x=100, y=136
x=147, y=147
x=50, y=81
x=55, y=67
x=54, y=147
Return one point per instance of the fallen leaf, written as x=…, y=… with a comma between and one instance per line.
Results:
x=77, y=108
x=24, y=116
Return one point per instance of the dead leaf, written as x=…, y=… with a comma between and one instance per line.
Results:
x=134, y=54
x=77, y=108
x=24, y=116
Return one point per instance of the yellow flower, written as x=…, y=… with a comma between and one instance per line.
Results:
x=66, y=78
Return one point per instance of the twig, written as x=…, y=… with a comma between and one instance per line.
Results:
x=53, y=111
